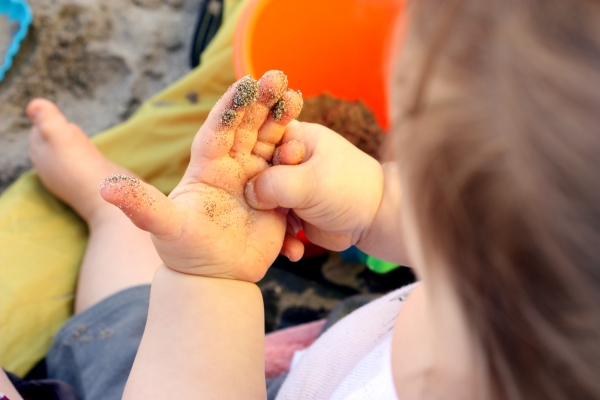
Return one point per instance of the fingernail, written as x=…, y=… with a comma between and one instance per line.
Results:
x=251, y=194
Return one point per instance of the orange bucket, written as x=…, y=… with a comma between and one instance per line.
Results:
x=342, y=47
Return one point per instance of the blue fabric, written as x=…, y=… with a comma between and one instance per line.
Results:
x=94, y=351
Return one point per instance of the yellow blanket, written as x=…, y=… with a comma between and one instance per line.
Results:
x=42, y=241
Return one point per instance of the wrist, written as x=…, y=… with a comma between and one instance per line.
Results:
x=239, y=271
x=366, y=201
x=201, y=331
x=383, y=238
x=173, y=279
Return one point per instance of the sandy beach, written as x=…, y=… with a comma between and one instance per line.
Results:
x=97, y=60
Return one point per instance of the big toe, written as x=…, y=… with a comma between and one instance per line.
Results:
x=46, y=116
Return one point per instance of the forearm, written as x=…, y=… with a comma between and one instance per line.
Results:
x=384, y=238
x=204, y=338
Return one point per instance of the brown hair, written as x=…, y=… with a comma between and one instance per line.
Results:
x=502, y=168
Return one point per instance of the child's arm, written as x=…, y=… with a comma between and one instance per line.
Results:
x=204, y=339
x=343, y=196
x=205, y=332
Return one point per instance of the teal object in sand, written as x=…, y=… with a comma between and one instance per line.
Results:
x=17, y=11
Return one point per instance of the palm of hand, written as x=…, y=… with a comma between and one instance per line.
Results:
x=215, y=232
x=205, y=227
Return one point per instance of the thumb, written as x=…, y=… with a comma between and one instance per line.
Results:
x=284, y=186
x=146, y=206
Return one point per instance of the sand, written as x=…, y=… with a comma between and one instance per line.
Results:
x=351, y=119
x=97, y=60
x=6, y=31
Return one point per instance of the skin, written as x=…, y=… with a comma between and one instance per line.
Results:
x=205, y=286
x=71, y=167
x=209, y=305
x=346, y=198
x=230, y=242
x=343, y=199
x=7, y=388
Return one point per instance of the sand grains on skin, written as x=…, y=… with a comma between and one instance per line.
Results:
x=278, y=110
x=134, y=192
x=228, y=117
x=271, y=94
x=246, y=93
x=286, y=105
x=223, y=210
x=221, y=205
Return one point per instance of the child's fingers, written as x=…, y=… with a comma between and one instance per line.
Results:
x=292, y=248
x=293, y=131
x=271, y=88
x=282, y=113
x=216, y=136
x=328, y=240
x=290, y=153
x=146, y=206
x=310, y=136
x=280, y=186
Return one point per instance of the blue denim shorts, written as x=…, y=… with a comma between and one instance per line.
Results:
x=94, y=350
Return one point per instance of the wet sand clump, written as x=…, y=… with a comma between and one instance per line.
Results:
x=228, y=117
x=246, y=93
x=278, y=110
x=351, y=119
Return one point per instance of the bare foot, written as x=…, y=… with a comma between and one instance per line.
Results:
x=67, y=162
x=205, y=226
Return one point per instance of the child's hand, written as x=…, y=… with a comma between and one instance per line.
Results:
x=338, y=193
x=205, y=226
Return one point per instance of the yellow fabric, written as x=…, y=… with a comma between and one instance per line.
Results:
x=42, y=241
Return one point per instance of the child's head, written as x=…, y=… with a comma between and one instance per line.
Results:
x=499, y=140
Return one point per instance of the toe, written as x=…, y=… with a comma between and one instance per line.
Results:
x=36, y=106
x=40, y=110
x=46, y=117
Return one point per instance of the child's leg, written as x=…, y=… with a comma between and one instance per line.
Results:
x=118, y=255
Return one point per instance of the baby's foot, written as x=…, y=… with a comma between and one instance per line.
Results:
x=205, y=226
x=66, y=161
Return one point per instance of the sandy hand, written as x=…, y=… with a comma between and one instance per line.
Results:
x=205, y=227
x=336, y=192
